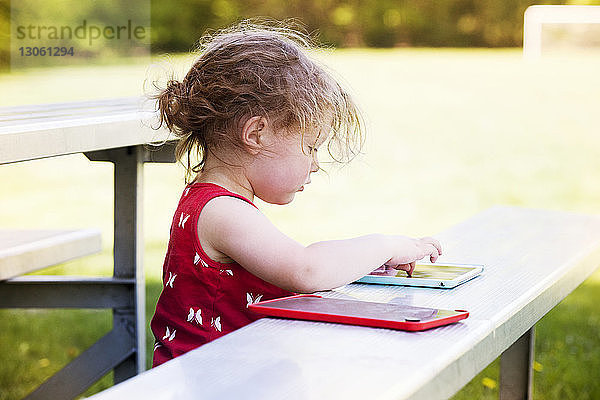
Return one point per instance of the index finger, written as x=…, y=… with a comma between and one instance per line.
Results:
x=412, y=268
x=435, y=243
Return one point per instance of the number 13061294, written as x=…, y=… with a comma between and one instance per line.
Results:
x=46, y=51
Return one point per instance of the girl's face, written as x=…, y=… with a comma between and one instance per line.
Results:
x=285, y=167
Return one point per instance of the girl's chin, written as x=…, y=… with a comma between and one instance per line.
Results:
x=280, y=200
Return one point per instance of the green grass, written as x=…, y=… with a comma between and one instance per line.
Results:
x=450, y=133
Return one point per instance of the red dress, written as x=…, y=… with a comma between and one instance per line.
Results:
x=201, y=299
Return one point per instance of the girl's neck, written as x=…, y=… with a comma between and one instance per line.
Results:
x=229, y=177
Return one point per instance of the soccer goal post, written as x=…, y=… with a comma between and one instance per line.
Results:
x=537, y=16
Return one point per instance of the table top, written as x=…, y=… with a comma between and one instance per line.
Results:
x=47, y=130
x=532, y=258
x=26, y=250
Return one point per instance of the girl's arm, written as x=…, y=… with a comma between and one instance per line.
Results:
x=236, y=229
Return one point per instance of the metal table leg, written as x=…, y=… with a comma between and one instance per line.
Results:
x=516, y=368
x=128, y=250
x=123, y=348
x=128, y=254
x=129, y=243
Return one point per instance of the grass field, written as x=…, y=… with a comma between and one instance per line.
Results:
x=450, y=133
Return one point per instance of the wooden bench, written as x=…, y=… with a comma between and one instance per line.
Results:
x=114, y=130
x=24, y=251
x=532, y=258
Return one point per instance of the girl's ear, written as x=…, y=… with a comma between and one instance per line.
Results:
x=254, y=134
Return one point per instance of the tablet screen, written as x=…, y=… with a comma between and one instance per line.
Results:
x=426, y=271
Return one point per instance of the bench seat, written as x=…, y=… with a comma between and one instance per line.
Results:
x=533, y=259
x=24, y=251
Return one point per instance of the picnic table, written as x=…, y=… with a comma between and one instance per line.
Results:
x=533, y=259
x=115, y=130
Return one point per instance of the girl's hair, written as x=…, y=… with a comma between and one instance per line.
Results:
x=253, y=69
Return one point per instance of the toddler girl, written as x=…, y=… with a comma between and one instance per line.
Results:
x=255, y=110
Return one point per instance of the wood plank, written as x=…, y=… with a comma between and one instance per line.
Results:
x=533, y=260
x=47, y=130
x=24, y=251
x=77, y=106
x=10, y=116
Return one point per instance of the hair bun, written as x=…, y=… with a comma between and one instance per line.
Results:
x=170, y=106
x=174, y=87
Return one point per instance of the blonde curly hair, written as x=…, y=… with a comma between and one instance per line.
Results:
x=256, y=69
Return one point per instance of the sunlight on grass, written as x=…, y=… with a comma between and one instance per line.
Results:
x=450, y=133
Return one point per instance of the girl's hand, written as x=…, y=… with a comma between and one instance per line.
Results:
x=409, y=250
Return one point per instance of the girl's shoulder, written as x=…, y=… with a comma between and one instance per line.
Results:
x=214, y=212
x=197, y=195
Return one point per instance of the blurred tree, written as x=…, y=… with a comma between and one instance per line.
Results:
x=68, y=23
x=4, y=34
x=346, y=23
x=176, y=26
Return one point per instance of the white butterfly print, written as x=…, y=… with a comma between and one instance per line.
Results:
x=197, y=260
x=183, y=220
x=226, y=271
x=169, y=335
x=157, y=345
x=251, y=299
x=186, y=192
x=171, y=279
x=216, y=323
x=195, y=316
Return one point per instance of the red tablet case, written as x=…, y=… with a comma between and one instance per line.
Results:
x=354, y=312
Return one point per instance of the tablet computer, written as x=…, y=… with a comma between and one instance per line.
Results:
x=355, y=312
x=443, y=275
